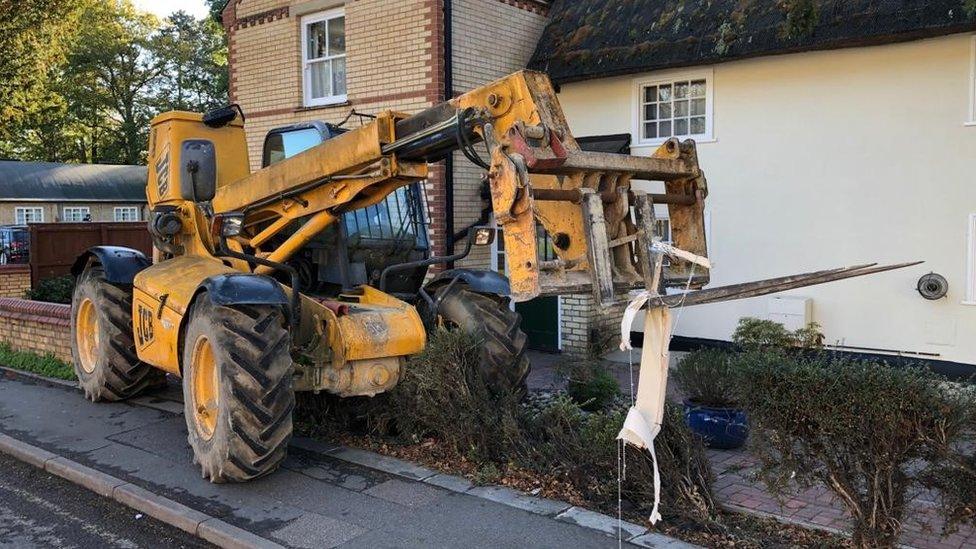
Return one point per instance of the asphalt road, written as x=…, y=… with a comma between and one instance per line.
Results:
x=38, y=509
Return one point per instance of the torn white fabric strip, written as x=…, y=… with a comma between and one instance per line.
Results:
x=644, y=419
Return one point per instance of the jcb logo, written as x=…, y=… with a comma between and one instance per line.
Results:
x=144, y=326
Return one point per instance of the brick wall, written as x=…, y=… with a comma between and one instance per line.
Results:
x=491, y=39
x=36, y=326
x=588, y=328
x=394, y=52
x=14, y=280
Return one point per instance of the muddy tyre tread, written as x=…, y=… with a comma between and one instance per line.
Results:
x=120, y=374
x=257, y=395
x=503, y=362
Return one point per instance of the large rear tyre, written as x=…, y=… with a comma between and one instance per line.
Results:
x=237, y=389
x=504, y=365
x=102, y=345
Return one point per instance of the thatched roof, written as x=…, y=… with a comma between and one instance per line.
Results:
x=596, y=38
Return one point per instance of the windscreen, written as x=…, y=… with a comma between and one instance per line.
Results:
x=279, y=146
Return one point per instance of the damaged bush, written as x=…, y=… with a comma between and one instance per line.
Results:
x=442, y=396
x=858, y=428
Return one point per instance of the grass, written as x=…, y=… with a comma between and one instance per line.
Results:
x=47, y=365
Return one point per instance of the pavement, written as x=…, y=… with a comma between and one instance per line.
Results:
x=38, y=509
x=324, y=495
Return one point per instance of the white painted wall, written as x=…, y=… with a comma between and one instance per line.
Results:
x=829, y=159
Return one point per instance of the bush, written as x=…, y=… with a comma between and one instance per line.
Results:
x=706, y=376
x=591, y=386
x=53, y=290
x=442, y=395
x=754, y=333
x=858, y=428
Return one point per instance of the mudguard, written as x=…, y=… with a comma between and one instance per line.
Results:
x=244, y=289
x=481, y=281
x=121, y=264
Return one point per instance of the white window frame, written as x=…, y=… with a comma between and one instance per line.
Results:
x=972, y=83
x=307, y=98
x=119, y=209
x=21, y=211
x=971, y=262
x=84, y=210
x=706, y=74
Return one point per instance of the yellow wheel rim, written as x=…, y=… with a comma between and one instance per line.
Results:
x=86, y=334
x=205, y=385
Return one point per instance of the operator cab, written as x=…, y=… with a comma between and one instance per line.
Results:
x=366, y=241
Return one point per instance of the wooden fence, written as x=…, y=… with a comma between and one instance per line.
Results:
x=55, y=246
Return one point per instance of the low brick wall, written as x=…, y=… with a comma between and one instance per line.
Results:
x=14, y=280
x=36, y=326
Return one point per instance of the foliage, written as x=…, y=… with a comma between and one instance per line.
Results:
x=56, y=289
x=47, y=365
x=707, y=377
x=34, y=38
x=591, y=386
x=858, y=428
x=442, y=395
x=118, y=68
x=752, y=333
x=955, y=478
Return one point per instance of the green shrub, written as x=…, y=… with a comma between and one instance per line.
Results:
x=592, y=386
x=754, y=333
x=443, y=395
x=860, y=429
x=47, y=365
x=706, y=377
x=53, y=290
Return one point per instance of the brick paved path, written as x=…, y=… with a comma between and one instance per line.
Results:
x=819, y=508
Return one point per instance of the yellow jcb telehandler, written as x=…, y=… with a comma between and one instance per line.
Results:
x=311, y=274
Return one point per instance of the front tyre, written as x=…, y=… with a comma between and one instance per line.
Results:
x=102, y=346
x=237, y=389
x=504, y=365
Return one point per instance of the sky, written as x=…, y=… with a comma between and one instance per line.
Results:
x=162, y=8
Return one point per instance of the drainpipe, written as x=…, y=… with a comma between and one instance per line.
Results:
x=449, y=161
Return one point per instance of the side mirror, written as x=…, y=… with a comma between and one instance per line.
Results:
x=198, y=170
x=484, y=236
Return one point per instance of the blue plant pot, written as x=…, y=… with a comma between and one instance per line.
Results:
x=721, y=428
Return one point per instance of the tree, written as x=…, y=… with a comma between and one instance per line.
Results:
x=194, y=53
x=113, y=57
x=34, y=38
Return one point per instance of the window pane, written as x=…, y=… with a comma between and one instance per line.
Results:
x=339, y=76
x=319, y=77
x=664, y=110
x=650, y=94
x=698, y=88
x=316, y=46
x=664, y=129
x=680, y=90
x=698, y=125
x=337, y=36
x=681, y=126
x=697, y=107
x=650, y=112
x=664, y=93
x=650, y=130
x=680, y=108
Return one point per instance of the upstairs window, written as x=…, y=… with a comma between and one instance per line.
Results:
x=324, y=58
x=679, y=106
x=76, y=214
